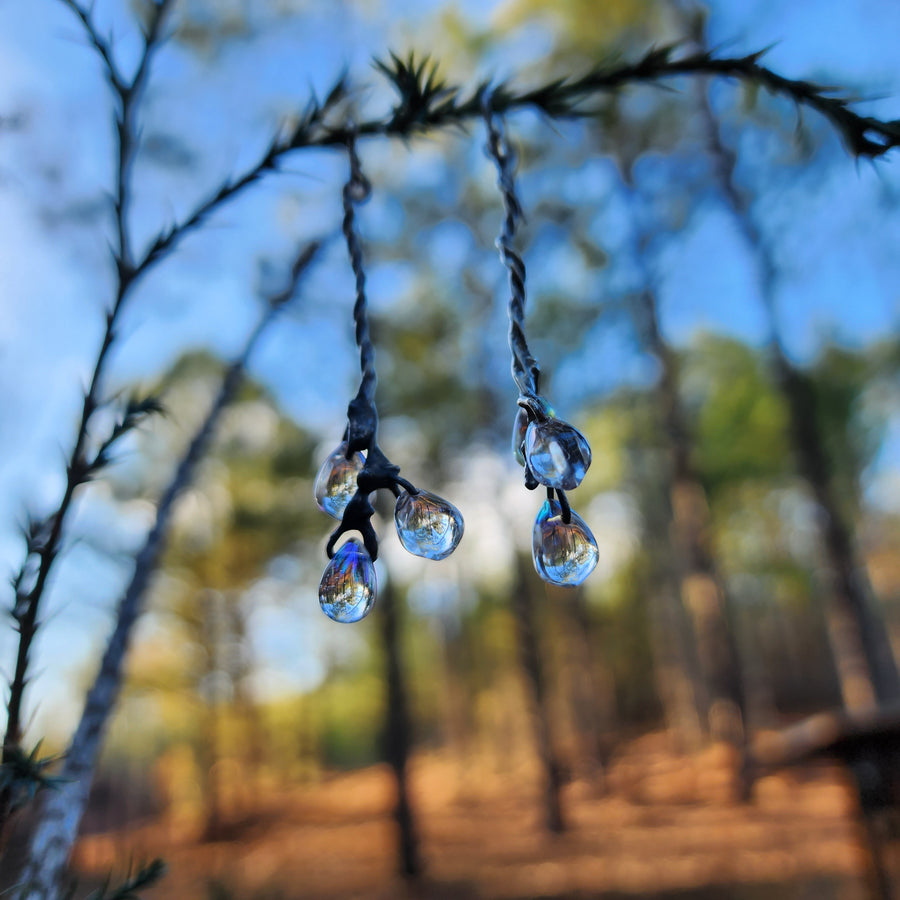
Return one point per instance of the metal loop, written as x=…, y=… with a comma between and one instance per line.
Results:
x=361, y=414
x=525, y=369
x=358, y=188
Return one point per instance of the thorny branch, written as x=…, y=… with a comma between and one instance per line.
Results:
x=41, y=553
x=426, y=103
x=100, y=45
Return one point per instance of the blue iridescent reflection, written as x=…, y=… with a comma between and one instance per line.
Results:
x=347, y=589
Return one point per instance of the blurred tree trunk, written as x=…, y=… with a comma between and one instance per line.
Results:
x=860, y=643
x=309, y=730
x=863, y=654
x=458, y=718
x=702, y=590
x=676, y=666
x=240, y=668
x=759, y=690
x=591, y=692
x=397, y=730
x=210, y=623
x=678, y=681
x=523, y=600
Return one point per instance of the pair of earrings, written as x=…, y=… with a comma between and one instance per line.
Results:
x=553, y=452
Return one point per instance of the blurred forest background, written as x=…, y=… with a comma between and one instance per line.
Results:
x=713, y=298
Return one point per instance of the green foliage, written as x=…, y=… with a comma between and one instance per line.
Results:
x=425, y=356
x=584, y=28
x=268, y=484
x=839, y=381
x=741, y=419
x=351, y=709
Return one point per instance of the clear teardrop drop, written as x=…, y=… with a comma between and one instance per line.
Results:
x=347, y=588
x=428, y=525
x=563, y=554
x=336, y=481
x=558, y=453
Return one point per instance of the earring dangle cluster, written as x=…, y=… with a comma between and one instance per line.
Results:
x=553, y=453
x=427, y=525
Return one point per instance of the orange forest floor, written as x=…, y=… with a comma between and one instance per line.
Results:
x=657, y=826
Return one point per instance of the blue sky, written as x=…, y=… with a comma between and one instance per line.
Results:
x=54, y=275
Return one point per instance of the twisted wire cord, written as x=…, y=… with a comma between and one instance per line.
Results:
x=525, y=369
x=362, y=414
x=357, y=190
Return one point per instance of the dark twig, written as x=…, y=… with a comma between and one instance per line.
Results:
x=135, y=412
x=52, y=840
x=26, y=774
x=128, y=93
x=308, y=132
x=127, y=136
x=110, y=69
x=427, y=103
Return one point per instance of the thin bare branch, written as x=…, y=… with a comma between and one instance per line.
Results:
x=78, y=468
x=152, y=40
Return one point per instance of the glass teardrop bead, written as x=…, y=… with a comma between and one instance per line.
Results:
x=336, y=481
x=558, y=453
x=347, y=588
x=563, y=554
x=428, y=525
